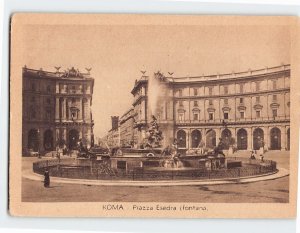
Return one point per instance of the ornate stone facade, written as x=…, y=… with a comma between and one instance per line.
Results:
x=56, y=109
x=245, y=109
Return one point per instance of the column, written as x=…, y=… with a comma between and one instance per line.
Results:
x=89, y=103
x=63, y=110
x=234, y=134
x=57, y=88
x=218, y=135
x=88, y=137
x=80, y=133
x=83, y=108
x=67, y=108
x=267, y=139
x=80, y=109
x=249, y=138
x=283, y=138
x=57, y=109
x=188, y=133
x=64, y=134
x=41, y=139
x=56, y=137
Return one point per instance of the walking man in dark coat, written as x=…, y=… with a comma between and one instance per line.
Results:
x=46, y=179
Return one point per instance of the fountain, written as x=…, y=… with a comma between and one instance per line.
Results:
x=156, y=152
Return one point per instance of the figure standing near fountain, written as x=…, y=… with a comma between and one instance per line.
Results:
x=201, y=147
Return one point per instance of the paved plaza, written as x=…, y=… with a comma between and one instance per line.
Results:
x=276, y=190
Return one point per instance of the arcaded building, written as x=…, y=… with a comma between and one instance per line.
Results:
x=56, y=109
x=246, y=109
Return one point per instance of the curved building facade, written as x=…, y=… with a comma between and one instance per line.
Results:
x=246, y=109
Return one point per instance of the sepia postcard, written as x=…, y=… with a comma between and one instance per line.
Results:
x=165, y=116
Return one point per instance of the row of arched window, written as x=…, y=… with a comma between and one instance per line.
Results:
x=241, y=140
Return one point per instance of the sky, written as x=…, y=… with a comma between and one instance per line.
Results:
x=118, y=53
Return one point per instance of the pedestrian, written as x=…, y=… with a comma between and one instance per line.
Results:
x=262, y=157
x=201, y=147
x=46, y=179
x=252, y=154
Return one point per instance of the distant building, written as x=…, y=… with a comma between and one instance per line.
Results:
x=126, y=128
x=113, y=135
x=248, y=109
x=56, y=109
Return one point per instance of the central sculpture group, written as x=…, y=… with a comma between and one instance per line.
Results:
x=152, y=154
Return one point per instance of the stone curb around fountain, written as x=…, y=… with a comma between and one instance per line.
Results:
x=282, y=172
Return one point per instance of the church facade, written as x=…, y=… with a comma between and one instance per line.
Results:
x=56, y=109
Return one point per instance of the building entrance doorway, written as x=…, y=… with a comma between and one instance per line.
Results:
x=48, y=140
x=242, y=139
x=196, y=138
x=226, y=137
x=275, y=135
x=211, y=138
x=258, y=138
x=73, y=139
x=33, y=140
x=181, y=139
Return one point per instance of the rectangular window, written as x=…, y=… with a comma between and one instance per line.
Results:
x=274, y=97
x=242, y=115
x=226, y=115
x=274, y=84
x=257, y=86
x=195, y=103
x=225, y=89
x=195, y=91
x=210, y=116
x=257, y=114
x=196, y=116
x=181, y=116
x=180, y=103
x=210, y=102
x=241, y=100
x=241, y=87
x=274, y=111
x=180, y=93
x=210, y=91
x=257, y=99
x=225, y=101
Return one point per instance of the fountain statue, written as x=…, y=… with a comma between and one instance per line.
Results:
x=154, y=135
